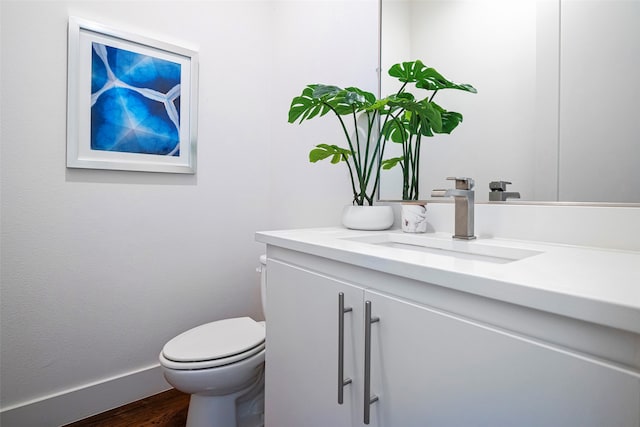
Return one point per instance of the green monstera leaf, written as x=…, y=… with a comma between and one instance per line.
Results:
x=396, y=130
x=391, y=163
x=408, y=72
x=425, y=77
x=318, y=100
x=422, y=117
x=306, y=106
x=324, y=151
x=432, y=80
x=450, y=121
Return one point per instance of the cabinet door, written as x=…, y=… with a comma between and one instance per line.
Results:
x=302, y=349
x=430, y=368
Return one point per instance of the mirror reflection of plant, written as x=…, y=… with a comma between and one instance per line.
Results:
x=409, y=119
x=358, y=112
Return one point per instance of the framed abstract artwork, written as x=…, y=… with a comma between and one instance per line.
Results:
x=132, y=101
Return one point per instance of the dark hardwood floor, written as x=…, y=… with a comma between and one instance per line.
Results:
x=168, y=409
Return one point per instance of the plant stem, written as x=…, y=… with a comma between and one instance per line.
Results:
x=384, y=143
x=406, y=152
x=355, y=127
x=416, y=168
x=356, y=165
x=353, y=185
x=369, y=164
x=367, y=167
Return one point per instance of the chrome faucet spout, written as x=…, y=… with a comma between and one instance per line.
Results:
x=458, y=193
x=464, y=199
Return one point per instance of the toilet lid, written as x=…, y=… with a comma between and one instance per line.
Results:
x=215, y=340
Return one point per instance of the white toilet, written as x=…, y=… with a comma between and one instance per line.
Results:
x=217, y=363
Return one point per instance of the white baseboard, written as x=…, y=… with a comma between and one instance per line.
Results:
x=82, y=402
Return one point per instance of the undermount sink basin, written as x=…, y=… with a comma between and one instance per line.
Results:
x=471, y=250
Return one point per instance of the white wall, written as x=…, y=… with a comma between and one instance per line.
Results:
x=325, y=41
x=100, y=268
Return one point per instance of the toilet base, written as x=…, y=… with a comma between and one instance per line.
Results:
x=216, y=411
x=205, y=409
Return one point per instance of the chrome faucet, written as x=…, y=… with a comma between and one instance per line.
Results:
x=463, y=196
x=499, y=192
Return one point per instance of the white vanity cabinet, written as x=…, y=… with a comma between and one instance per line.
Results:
x=302, y=360
x=429, y=366
x=432, y=368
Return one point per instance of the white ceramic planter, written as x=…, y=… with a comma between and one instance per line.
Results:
x=414, y=218
x=367, y=217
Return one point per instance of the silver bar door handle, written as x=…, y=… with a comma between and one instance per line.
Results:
x=341, y=380
x=368, y=398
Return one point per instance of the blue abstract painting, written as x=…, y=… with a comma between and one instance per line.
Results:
x=135, y=102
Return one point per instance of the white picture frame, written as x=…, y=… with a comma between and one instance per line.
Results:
x=132, y=101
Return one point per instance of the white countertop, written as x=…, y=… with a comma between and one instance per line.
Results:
x=592, y=284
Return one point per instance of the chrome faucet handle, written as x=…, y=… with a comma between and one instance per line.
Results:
x=499, y=192
x=462, y=183
x=498, y=185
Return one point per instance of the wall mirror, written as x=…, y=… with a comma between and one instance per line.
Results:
x=557, y=112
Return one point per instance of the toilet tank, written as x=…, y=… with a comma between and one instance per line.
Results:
x=262, y=269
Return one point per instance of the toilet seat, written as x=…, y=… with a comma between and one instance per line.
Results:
x=214, y=344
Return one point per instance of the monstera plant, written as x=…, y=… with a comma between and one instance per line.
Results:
x=368, y=123
x=408, y=118
x=357, y=112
